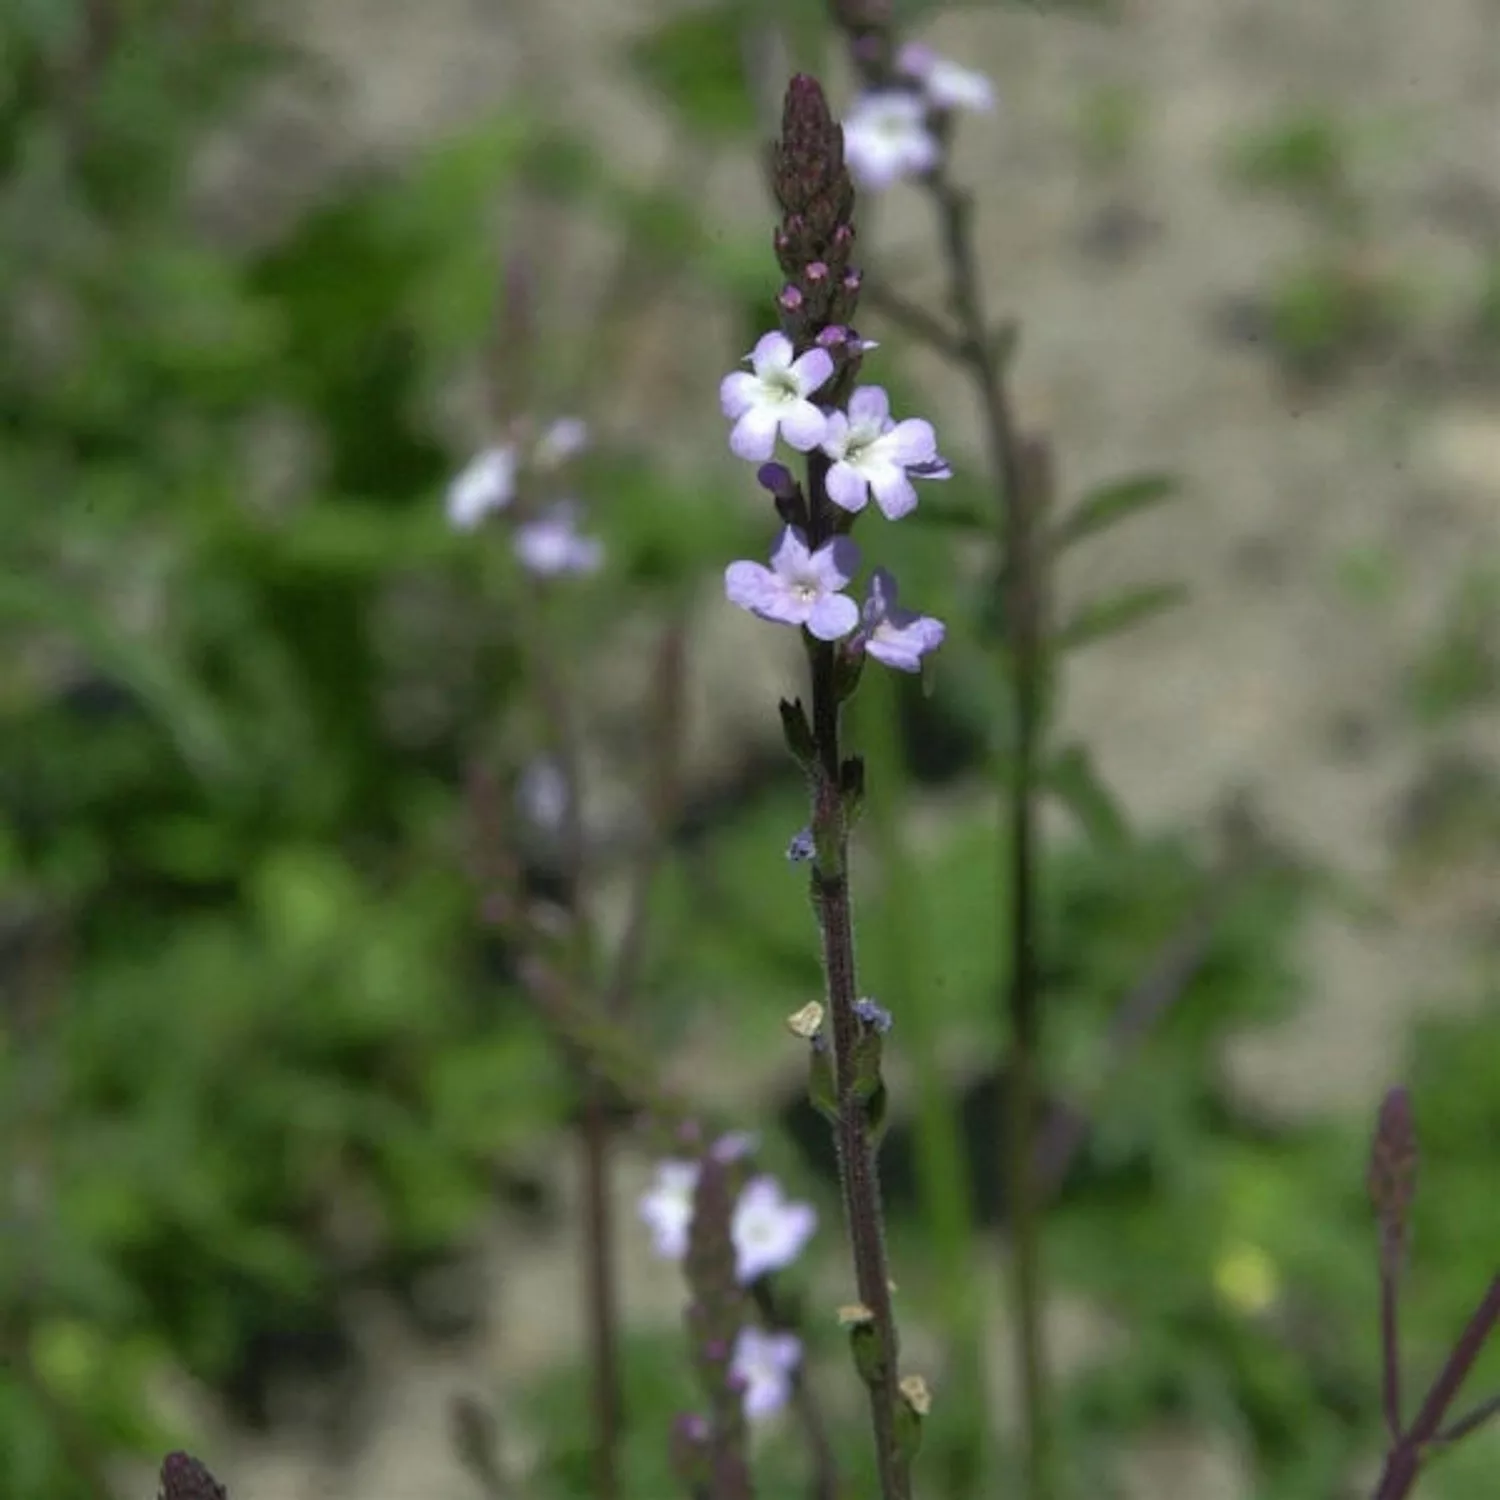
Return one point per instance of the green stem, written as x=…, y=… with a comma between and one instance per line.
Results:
x=1021, y=496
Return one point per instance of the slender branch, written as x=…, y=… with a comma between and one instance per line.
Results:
x=1022, y=477
x=1390, y=1355
x=1486, y=1411
x=859, y=1180
x=914, y=319
x=1405, y=1459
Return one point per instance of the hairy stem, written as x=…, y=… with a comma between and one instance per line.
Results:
x=1390, y=1352
x=859, y=1181
x=1021, y=496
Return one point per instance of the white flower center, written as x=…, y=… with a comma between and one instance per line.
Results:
x=862, y=437
x=781, y=387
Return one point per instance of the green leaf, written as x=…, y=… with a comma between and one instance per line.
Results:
x=1107, y=617
x=141, y=666
x=1071, y=777
x=1112, y=503
x=695, y=63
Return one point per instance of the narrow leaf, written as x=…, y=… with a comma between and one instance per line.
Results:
x=1107, y=617
x=144, y=668
x=1071, y=777
x=1112, y=503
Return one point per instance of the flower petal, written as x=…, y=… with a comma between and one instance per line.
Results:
x=870, y=404
x=847, y=487
x=803, y=425
x=752, y=586
x=836, y=562
x=791, y=555
x=894, y=493
x=737, y=393
x=754, y=435
x=812, y=370
x=911, y=442
x=832, y=617
x=773, y=351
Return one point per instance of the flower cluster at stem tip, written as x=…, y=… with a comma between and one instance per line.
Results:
x=769, y=1233
x=802, y=389
x=546, y=542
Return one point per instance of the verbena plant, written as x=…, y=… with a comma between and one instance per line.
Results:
x=248, y=880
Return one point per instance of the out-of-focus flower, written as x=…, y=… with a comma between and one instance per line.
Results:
x=667, y=1207
x=484, y=487
x=894, y=636
x=563, y=439
x=773, y=396
x=886, y=138
x=801, y=587
x=765, y=1363
x=768, y=1231
x=946, y=84
x=550, y=544
x=874, y=455
x=542, y=794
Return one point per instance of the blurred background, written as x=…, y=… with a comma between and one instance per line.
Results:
x=288, y=1160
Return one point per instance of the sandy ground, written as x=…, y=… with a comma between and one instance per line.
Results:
x=1282, y=685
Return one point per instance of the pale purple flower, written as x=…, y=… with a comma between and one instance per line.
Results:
x=773, y=396
x=886, y=138
x=894, y=636
x=945, y=83
x=876, y=1017
x=542, y=794
x=764, y=1363
x=564, y=439
x=768, y=1231
x=734, y=1145
x=550, y=544
x=485, y=486
x=873, y=454
x=667, y=1207
x=800, y=587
